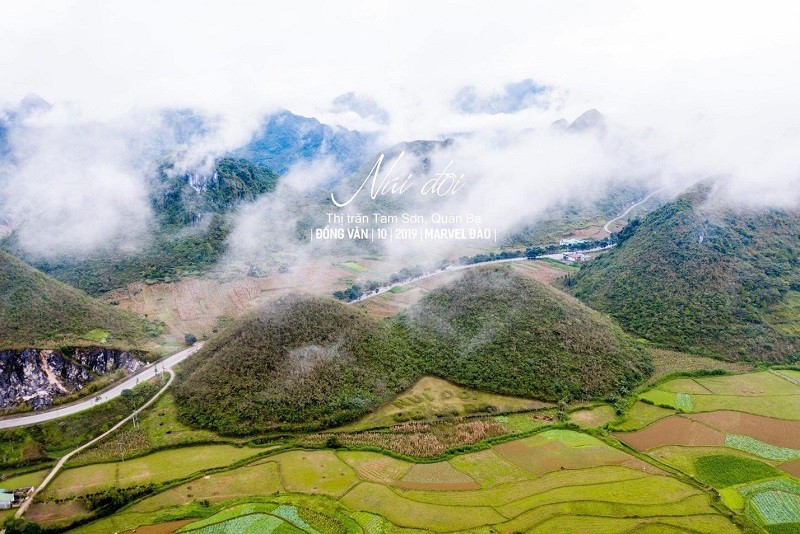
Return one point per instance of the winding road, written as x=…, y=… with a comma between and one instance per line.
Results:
x=147, y=373
x=168, y=363
x=627, y=211
x=171, y=361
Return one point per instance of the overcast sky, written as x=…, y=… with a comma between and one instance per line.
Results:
x=636, y=61
x=691, y=88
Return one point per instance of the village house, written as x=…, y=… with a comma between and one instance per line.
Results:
x=6, y=499
x=573, y=256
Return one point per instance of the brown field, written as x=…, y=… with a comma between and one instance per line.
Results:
x=422, y=440
x=543, y=272
x=195, y=304
x=778, y=432
x=390, y=303
x=675, y=430
x=440, y=476
x=594, y=231
x=541, y=455
x=793, y=468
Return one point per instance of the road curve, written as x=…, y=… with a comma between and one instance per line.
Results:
x=53, y=472
x=627, y=211
x=129, y=383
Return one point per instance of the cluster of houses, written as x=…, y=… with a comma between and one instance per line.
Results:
x=13, y=498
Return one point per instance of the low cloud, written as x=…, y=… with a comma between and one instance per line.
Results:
x=362, y=105
x=514, y=97
x=75, y=186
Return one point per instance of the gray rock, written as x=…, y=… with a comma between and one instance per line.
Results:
x=38, y=376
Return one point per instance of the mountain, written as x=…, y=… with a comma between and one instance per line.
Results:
x=588, y=120
x=38, y=311
x=183, y=198
x=12, y=116
x=301, y=361
x=285, y=139
x=696, y=275
x=305, y=362
x=496, y=330
x=188, y=235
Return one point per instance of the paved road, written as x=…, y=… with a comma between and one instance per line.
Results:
x=53, y=472
x=451, y=268
x=627, y=211
x=149, y=372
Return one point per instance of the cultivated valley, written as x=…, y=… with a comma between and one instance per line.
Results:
x=383, y=268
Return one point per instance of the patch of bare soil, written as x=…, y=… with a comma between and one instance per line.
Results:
x=675, y=430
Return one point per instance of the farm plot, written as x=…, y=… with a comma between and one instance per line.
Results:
x=759, y=448
x=153, y=468
x=354, y=266
x=722, y=470
x=218, y=487
x=593, y=417
x=315, y=472
x=554, y=450
x=640, y=415
x=420, y=440
x=763, y=393
x=440, y=476
x=674, y=430
x=686, y=458
x=505, y=488
x=778, y=432
x=775, y=504
x=432, y=398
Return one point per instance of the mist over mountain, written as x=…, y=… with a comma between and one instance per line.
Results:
x=285, y=139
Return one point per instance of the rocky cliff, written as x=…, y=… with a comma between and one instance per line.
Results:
x=37, y=376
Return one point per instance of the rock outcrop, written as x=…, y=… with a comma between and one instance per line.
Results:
x=37, y=376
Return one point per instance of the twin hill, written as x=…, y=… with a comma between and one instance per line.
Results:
x=695, y=275
x=498, y=331
x=298, y=361
x=316, y=362
x=39, y=311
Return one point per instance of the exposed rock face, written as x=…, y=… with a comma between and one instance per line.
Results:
x=36, y=376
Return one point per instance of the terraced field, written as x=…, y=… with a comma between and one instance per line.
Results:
x=432, y=398
x=767, y=393
x=557, y=479
x=153, y=468
x=739, y=434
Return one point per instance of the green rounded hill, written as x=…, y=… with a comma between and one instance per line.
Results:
x=307, y=362
x=299, y=361
x=39, y=311
x=702, y=277
x=498, y=331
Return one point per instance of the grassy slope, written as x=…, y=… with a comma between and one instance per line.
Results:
x=720, y=292
x=313, y=362
x=40, y=311
x=498, y=331
x=302, y=361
